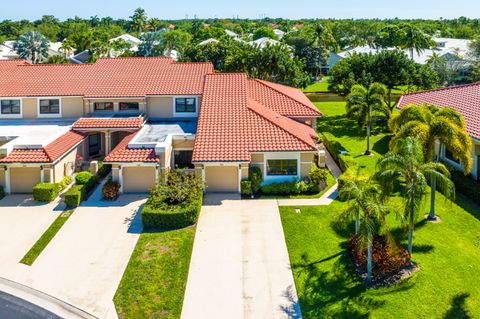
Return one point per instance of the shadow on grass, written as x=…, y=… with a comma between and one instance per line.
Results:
x=340, y=125
x=381, y=146
x=468, y=205
x=457, y=310
x=338, y=293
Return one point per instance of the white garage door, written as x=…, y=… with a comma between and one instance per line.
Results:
x=222, y=179
x=138, y=179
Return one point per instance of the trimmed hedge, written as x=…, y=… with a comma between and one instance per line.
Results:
x=87, y=179
x=47, y=192
x=333, y=148
x=103, y=170
x=75, y=195
x=175, y=204
x=290, y=188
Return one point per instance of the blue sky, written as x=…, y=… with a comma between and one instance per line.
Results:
x=33, y=9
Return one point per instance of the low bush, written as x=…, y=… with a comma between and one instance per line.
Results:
x=75, y=195
x=318, y=175
x=334, y=147
x=290, y=188
x=47, y=192
x=246, y=187
x=175, y=204
x=87, y=179
x=466, y=185
x=255, y=177
x=110, y=190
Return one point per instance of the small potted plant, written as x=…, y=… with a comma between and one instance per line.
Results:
x=111, y=190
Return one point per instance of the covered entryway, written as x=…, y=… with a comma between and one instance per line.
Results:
x=138, y=179
x=22, y=179
x=221, y=179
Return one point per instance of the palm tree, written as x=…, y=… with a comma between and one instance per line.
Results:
x=139, y=20
x=415, y=39
x=32, y=46
x=152, y=44
x=155, y=24
x=67, y=47
x=406, y=163
x=361, y=102
x=325, y=39
x=364, y=199
x=429, y=124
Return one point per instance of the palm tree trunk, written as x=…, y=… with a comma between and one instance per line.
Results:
x=369, y=259
x=367, y=152
x=433, y=188
x=410, y=232
x=357, y=222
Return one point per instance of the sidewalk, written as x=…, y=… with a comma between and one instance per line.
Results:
x=325, y=199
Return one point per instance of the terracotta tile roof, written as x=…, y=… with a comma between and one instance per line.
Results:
x=47, y=154
x=86, y=123
x=282, y=99
x=231, y=125
x=119, y=77
x=121, y=153
x=464, y=98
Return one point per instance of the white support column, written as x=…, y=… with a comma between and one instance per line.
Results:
x=42, y=175
x=7, y=181
x=239, y=177
x=116, y=108
x=108, y=142
x=120, y=178
x=157, y=174
x=203, y=178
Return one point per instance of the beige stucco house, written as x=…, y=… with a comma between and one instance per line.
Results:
x=146, y=116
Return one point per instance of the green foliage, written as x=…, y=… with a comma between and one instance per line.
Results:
x=32, y=46
x=466, y=185
x=47, y=192
x=290, y=188
x=87, y=179
x=318, y=175
x=103, y=170
x=264, y=32
x=2, y=192
x=246, y=187
x=255, y=177
x=75, y=195
x=175, y=204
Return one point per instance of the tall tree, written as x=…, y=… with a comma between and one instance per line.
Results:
x=151, y=44
x=32, y=46
x=361, y=102
x=364, y=203
x=406, y=163
x=414, y=39
x=139, y=20
x=430, y=125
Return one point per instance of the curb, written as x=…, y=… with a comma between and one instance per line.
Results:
x=43, y=300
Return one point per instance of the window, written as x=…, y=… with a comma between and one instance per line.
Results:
x=50, y=106
x=10, y=107
x=449, y=156
x=183, y=159
x=282, y=167
x=103, y=106
x=128, y=106
x=186, y=105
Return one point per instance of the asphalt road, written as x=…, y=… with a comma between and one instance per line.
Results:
x=15, y=308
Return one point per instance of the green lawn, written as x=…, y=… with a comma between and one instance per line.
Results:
x=154, y=282
x=336, y=126
x=318, y=86
x=448, y=253
x=46, y=237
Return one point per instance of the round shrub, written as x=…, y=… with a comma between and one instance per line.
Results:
x=246, y=187
x=83, y=178
x=255, y=177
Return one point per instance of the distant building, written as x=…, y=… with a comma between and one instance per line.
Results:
x=279, y=33
x=7, y=52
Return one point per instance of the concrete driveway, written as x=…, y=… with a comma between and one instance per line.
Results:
x=22, y=222
x=85, y=261
x=240, y=266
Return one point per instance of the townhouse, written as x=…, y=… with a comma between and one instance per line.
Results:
x=146, y=116
x=465, y=99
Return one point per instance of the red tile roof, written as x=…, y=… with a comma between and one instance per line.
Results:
x=119, y=77
x=231, y=125
x=282, y=99
x=121, y=153
x=464, y=98
x=47, y=154
x=125, y=123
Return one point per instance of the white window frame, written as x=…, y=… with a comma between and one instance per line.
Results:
x=185, y=114
x=12, y=116
x=50, y=115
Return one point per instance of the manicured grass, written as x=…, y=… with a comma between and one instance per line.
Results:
x=446, y=286
x=448, y=253
x=318, y=86
x=154, y=282
x=330, y=182
x=336, y=126
x=46, y=237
